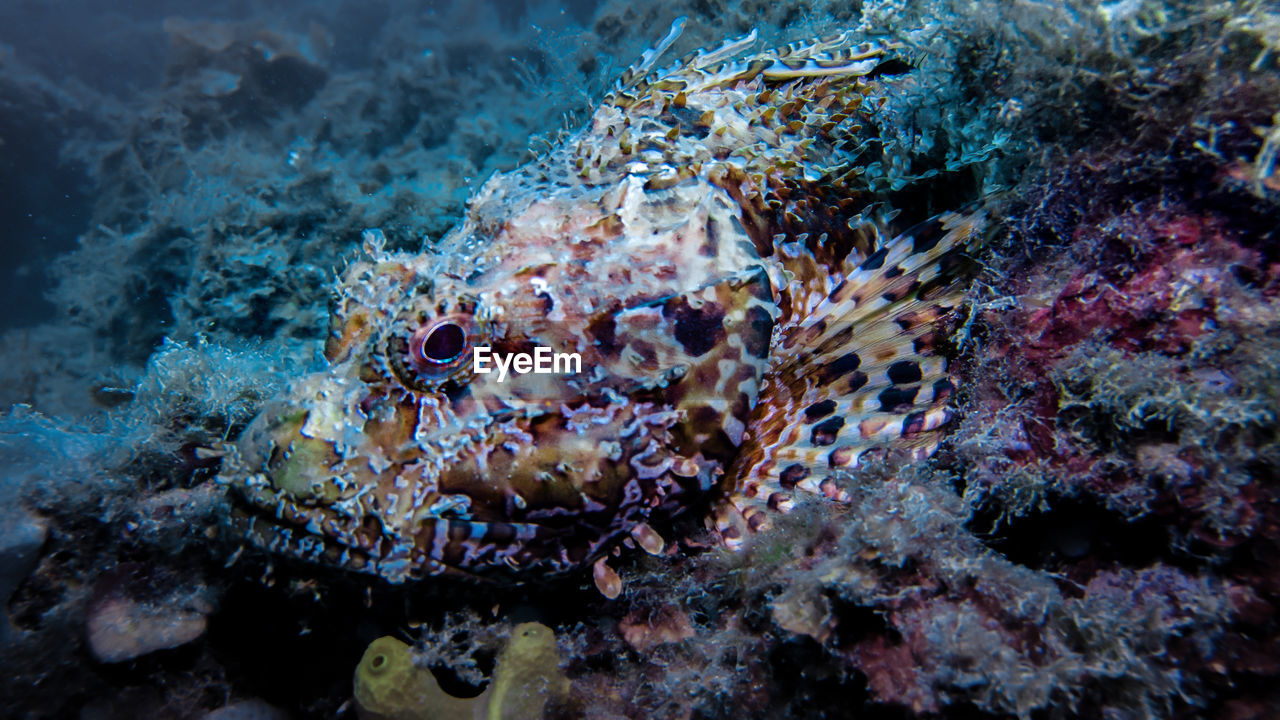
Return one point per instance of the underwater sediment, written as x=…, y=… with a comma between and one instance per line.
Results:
x=1094, y=536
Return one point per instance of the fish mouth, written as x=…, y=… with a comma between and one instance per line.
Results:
x=326, y=475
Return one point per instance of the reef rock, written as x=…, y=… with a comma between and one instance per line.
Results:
x=247, y=710
x=135, y=613
x=21, y=535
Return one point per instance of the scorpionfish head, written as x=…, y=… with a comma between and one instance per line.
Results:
x=624, y=329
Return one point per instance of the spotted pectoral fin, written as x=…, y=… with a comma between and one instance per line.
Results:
x=860, y=374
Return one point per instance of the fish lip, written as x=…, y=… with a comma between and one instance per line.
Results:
x=278, y=537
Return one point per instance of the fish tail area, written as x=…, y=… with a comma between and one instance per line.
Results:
x=859, y=374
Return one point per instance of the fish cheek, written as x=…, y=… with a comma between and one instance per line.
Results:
x=568, y=471
x=392, y=431
x=297, y=465
x=720, y=389
x=301, y=470
x=541, y=472
x=697, y=329
x=346, y=331
x=483, y=488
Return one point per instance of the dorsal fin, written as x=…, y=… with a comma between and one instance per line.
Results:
x=765, y=124
x=641, y=67
x=859, y=373
x=703, y=69
x=703, y=57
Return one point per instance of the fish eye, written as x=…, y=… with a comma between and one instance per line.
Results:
x=426, y=352
x=443, y=343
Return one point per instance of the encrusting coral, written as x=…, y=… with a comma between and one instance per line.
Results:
x=526, y=680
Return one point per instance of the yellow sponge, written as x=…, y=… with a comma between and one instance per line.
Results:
x=526, y=678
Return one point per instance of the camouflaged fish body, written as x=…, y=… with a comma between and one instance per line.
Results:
x=743, y=335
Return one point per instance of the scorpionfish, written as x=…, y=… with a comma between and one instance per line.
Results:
x=744, y=335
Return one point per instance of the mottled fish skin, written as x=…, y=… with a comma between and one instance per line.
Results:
x=699, y=245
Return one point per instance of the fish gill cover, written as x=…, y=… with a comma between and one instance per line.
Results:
x=188, y=191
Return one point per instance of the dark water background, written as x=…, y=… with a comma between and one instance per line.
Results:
x=118, y=51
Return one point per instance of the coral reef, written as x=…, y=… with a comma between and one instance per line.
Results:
x=1096, y=538
x=132, y=614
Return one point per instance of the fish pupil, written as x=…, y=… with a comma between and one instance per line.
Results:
x=444, y=343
